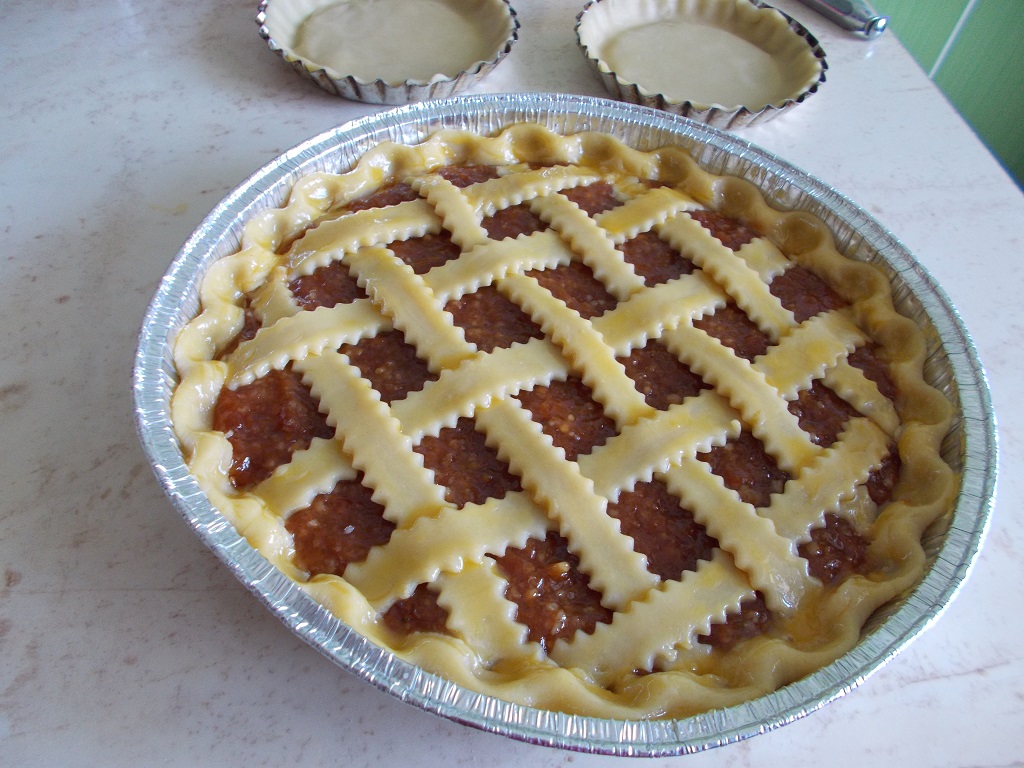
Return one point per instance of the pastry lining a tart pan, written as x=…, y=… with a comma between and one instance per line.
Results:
x=580, y=427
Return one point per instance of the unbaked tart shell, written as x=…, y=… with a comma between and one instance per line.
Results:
x=390, y=51
x=728, y=63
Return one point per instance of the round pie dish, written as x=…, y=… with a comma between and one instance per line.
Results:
x=390, y=51
x=727, y=63
x=953, y=368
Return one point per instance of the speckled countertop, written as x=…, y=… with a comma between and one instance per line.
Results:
x=124, y=642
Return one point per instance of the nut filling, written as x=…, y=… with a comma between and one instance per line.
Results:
x=577, y=426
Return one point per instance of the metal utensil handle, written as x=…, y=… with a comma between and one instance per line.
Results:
x=854, y=15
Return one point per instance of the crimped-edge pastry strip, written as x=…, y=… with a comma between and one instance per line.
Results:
x=748, y=391
x=488, y=264
x=491, y=195
x=730, y=271
x=569, y=496
x=591, y=243
x=789, y=368
x=413, y=307
x=302, y=334
x=384, y=453
x=668, y=618
x=770, y=560
x=478, y=611
x=446, y=542
x=460, y=391
x=584, y=349
x=311, y=472
x=656, y=443
x=331, y=240
x=830, y=480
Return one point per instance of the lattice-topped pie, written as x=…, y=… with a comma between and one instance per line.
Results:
x=571, y=424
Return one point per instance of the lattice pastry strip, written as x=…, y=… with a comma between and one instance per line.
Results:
x=313, y=471
x=770, y=560
x=589, y=242
x=332, y=239
x=456, y=211
x=584, y=348
x=477, y=382
x=479, y=613
x=492, y=195
x=855, y=388
x=654, y=311
x=274, y=300
x=303, y=334
x=764, y=258
x=804, y=354
x=832, y=479
x=604, y=553
x=732, y=272
x=643, y=213
x=411, y=306
x=485, y=264
x=371, y=434
x=748, y=391
x=667, y=619
x=452, y=538
x=654, y=444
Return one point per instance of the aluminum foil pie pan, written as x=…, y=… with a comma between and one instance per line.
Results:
x=953, y=367
x=727, y=63
x=390, y=51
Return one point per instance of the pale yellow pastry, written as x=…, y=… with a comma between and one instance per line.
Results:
x=390, y=51
x=580, y=427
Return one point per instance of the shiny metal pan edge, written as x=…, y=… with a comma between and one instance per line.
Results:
x=953, y=366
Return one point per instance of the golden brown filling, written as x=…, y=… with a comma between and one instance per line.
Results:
x=662, y=529
x=266, y=422
x=327, y=287
x=752, y=619
x=491, y=321
x=461, y=461
x=553, y=596
x=734, y=329
x=661, y=377
x=576, y=285
x=390, y=364
x=338, y=528
x=731, y=233
x=420, y=612
x=747, y=468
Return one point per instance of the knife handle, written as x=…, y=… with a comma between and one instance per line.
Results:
x=854, y=15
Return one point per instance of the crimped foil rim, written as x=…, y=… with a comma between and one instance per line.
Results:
x=715, y=115
x=378, y=91
x=953, y=366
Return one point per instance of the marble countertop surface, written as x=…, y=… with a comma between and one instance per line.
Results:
x=125, y=642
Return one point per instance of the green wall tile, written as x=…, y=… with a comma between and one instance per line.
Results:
x=983, y=76
x=924, y=27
